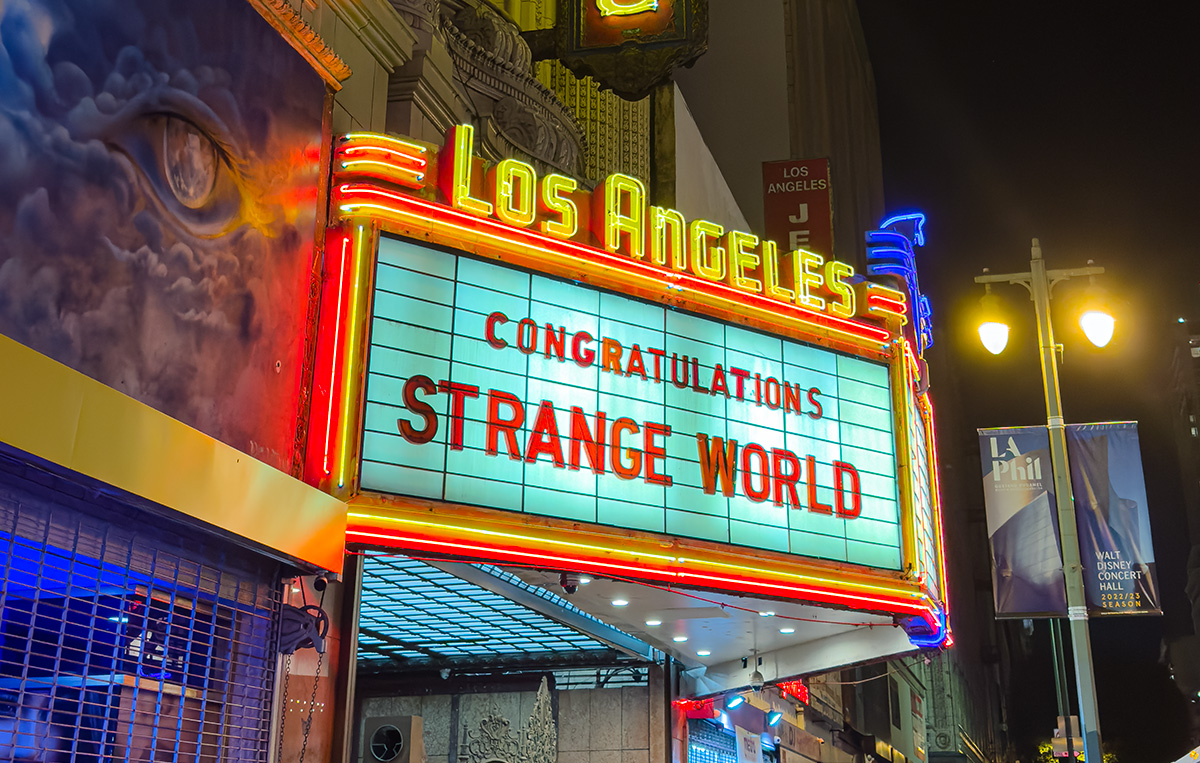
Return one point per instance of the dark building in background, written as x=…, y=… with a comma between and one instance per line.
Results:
x=1182, y=652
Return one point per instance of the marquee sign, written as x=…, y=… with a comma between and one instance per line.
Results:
x=493, y=387
x=515, y=369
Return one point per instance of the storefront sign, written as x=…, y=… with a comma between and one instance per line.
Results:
x=749, y=746
x=797, y=205
x=491, y=387
x=918, y=725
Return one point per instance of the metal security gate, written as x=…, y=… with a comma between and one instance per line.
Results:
x=120, y=640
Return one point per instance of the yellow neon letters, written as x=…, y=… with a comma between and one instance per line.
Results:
x=513, y=183
x=707, y=261
x=454, y=171
x=665, y=229
x=555, y=199
x=771, y=275
x=836, y=274
x=618, y=206
x=807, y=266
x=623, y=223
x=743, y=260
x=625, y=7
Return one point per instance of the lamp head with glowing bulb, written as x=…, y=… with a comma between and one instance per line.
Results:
x=993, y=331
x=1097, y=322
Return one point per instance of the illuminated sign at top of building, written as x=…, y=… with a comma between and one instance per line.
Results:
x=617, y=218
x=517, y=369
x=626, y=8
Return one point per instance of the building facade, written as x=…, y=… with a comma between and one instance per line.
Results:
x=618, y=478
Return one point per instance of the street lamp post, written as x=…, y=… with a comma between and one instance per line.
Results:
x=1040, y=281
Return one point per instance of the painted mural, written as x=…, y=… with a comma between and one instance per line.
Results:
x=158, y=174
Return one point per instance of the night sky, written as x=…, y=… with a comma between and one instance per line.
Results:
x=1078, y=124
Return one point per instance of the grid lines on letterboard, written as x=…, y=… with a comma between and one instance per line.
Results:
x=430, y=312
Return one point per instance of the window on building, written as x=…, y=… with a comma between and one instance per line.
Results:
x=894, y=700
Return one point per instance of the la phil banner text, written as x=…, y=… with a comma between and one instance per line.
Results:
x=1022, y=521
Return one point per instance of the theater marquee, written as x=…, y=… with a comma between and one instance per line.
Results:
x=516, y=370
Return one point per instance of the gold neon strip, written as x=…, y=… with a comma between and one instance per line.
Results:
x=351, y=376
x=838, y=580
x=373, y=137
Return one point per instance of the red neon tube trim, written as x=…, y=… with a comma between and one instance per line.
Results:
x=337, y=332
x=386, y=169
x=810, y=594
x=560, y=247
x=900, y=308
x=501, y=551
x=532, y=542
x=728, y=583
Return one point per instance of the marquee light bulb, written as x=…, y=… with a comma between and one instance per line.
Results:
x=994, y=336
x=1098, y=327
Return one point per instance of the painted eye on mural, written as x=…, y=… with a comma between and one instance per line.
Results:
x=188, y=168
x=190, y=161
x=192, y=174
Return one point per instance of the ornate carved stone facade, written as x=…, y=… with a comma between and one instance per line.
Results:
x=616, y=132
x=473, y=66
x=494, y=740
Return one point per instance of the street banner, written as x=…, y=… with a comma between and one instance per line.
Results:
x=797, y=206
x=1022, y=520
x=1114, y=522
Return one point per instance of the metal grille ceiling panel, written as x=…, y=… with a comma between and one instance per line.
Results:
x=413, y=611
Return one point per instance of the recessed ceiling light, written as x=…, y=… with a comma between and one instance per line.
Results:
x=703, y=653
x=787, y=630
x=620, y=602
x=584, y=580
x=766, y=614
x=653, y=623
x=680, y=639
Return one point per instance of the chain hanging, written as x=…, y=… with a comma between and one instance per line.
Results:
x=312, y=701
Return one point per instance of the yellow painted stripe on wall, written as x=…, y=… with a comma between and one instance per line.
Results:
x=60, y=415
